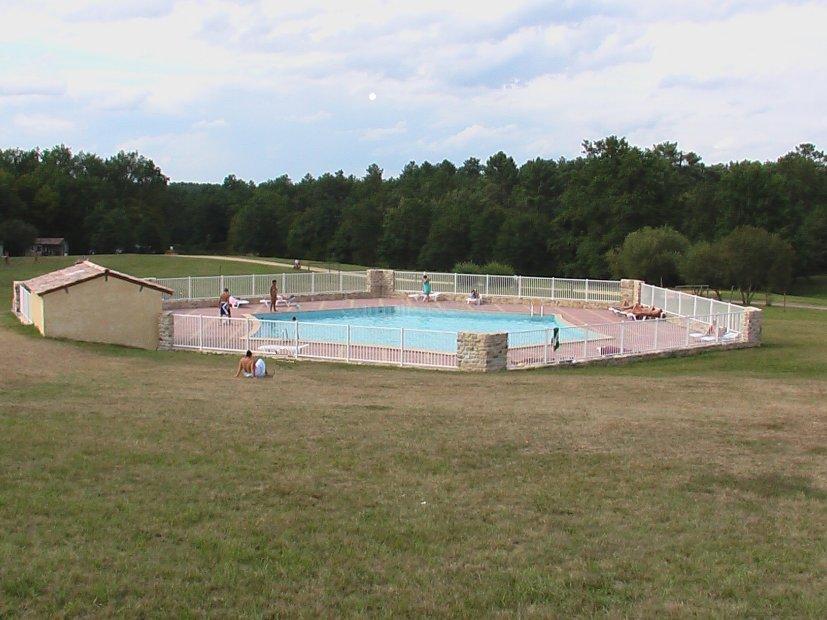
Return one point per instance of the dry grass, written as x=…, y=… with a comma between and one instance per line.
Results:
x=156, y=484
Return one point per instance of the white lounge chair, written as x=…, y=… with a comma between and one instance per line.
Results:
x=287, y=302
x=474, y=301
x=235, y=302
x=283, y=349
x=420, y=296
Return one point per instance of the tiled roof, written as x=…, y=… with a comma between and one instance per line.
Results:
x=48, y=241
x=82, y=272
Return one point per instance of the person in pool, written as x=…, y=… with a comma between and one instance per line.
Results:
x=426, y=287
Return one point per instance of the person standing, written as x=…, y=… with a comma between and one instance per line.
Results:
x=426, y=288
x=224, y=304
x=274, y=296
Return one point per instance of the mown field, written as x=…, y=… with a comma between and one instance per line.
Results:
x=156, y=484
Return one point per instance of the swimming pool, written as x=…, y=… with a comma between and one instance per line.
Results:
x=422, y=328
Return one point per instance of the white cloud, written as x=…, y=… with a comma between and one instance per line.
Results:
x=380, y=133
x=728, y=80
x=42, y=123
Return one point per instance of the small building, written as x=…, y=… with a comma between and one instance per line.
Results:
x=49, y=246
x=92, y=303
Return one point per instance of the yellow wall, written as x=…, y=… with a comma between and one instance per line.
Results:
x=104, y=310
x=36, y=311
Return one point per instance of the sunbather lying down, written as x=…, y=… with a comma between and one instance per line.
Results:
x=638, y=311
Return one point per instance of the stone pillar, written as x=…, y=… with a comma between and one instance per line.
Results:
x=380, y=282
x=630, y=291
x=15, y=301
x=482, y=352
x=166, y=331
x=751, y=325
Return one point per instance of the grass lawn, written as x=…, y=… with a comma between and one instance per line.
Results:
x=155, y=484
x=141, y=265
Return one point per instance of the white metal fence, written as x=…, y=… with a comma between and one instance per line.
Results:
x=25, y=303
x=517, y=286
x=210, y=287
x=678, y=303
x=346, y=343
x=588, y=342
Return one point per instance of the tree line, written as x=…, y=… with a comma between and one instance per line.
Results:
x=565, y=217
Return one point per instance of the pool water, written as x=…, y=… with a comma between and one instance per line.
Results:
x=424, y=328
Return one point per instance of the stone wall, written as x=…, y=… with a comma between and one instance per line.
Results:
x=630, y=291
x=482, y=352
x=751, y=325
x=166, y=331
x=380, y=283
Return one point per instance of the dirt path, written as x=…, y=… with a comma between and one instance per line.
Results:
x=258, y=261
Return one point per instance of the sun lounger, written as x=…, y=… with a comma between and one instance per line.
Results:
x=434, y=296
x=282, y=302
x=283, y=349
x=235, y=302
x=474, y=301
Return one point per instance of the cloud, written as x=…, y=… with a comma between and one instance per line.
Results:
x=42, y=123
x=742, y=78
x=380, y=133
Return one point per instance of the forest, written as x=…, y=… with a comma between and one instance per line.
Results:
x=565, y=217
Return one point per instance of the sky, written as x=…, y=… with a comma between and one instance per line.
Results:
x=207, y=88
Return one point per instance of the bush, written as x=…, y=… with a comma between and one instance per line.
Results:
x=706, y=263
x=467, y=267
x=497, y=269
x=650, y=254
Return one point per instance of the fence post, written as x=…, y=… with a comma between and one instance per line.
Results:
x=552, y=289
x=585, y=346
x=545, y=347
x=220, y=284
x=296, y=342
x=455, y=283
x=200, y=332
x=587, y=289
x=686, y=344
x=252, y=284
x=487, y=280
x=519, y=286
x=247, y=332
x=657, y=323
x=694, y=305
x=622, y=336
x=284, y=283
x=402, y=341
x=189, y=287
x=341, y=282
x=347, y=350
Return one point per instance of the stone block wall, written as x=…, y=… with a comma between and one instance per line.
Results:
x=380, y=282
x=482, y=352
x=630, y=291
x=751, y=325
x=166, y=332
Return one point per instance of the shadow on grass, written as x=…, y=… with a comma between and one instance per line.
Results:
x=767, y=485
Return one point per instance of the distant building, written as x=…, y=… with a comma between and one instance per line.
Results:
x=49, y=246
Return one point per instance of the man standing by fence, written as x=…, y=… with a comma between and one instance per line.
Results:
x=224, y=304
x=274, y=296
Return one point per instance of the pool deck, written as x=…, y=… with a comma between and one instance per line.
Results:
x=572, y=316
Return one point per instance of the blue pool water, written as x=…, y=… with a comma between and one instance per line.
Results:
x=381, y=326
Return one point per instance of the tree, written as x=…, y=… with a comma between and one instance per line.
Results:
x=650, y=254
x=758, y=261
x=17, y=236
x=706, y=264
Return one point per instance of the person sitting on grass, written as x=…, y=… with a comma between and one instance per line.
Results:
x=426, y=288
x=251, y=370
